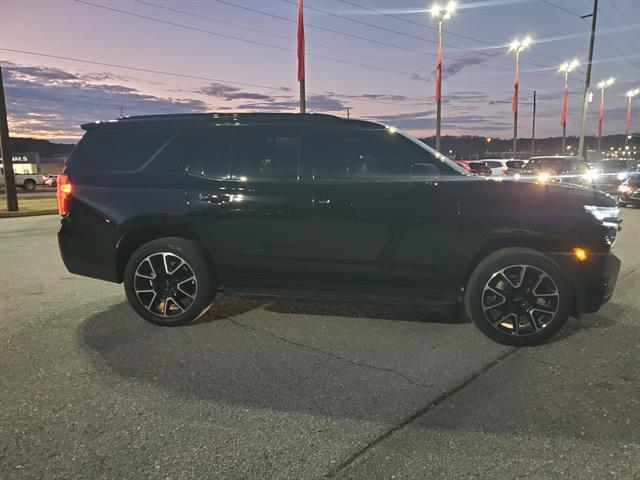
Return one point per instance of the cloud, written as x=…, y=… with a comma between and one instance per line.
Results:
x=51, y=103
x=426, y=119
x=228, y=92
x=318, y=103
x=449, y=69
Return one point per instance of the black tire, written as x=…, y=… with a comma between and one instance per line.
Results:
x=29, y=185
x=622, y=204
x=149, y=278
x=523, y=315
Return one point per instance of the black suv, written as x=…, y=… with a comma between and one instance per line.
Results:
x=179, y=207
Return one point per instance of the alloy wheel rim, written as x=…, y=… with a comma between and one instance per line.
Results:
x=520, y=300
x=165, y=284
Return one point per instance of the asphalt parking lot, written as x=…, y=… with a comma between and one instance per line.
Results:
x=254, y=390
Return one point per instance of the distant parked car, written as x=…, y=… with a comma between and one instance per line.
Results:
x=611, y=173
x=25, y=181
x=561, y=169
x=51, y=181
x=480, y=168
x=629, y=191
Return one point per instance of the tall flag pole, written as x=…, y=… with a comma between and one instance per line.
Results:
x=439, y=87
x=601, y=114
x=301, y=72
x=514, y=105
x=565, y=111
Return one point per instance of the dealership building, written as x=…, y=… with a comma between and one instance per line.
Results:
x=31, y=162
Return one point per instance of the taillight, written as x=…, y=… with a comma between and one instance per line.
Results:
x=63, y=194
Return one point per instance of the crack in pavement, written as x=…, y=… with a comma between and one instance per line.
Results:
x=331, y=354
x=416, y=415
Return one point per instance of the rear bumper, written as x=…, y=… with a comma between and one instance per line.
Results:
x=90, y=256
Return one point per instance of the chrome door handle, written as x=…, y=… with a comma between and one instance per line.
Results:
x=214, y=197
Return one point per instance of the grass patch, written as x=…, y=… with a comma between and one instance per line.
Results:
x=30, y=206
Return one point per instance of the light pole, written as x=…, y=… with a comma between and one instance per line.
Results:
x=566, y=68
x=442, y=13
x=602, y=86
x=517, y=46
x=627, y=130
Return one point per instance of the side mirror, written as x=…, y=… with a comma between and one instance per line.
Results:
x=424, y=170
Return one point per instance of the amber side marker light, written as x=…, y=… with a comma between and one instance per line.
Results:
x=580, y=254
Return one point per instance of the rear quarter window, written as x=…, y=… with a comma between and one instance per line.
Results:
x=116, y=149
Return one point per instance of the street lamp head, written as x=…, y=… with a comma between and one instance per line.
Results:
x=519, y=45
x=604, y=84
x=633, y=93
x=568, y=67
x=443, y=12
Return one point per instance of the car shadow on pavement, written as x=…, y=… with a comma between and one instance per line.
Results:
x=243, y=354
x=361, y=368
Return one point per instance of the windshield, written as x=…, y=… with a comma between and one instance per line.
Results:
x=450, y=163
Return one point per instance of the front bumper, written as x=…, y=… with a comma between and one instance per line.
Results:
x=599, y=287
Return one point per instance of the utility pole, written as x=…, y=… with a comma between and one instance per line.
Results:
x=587, y=80
x=301, y=58
x=7, y=155
x=348, y=112
x=533, y=127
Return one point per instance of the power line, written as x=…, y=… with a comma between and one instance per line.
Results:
x=233, y=37
x=453, y=34
x=600, y=34
x=397, y=32
x=423, y=52
x=570, y=12
x=268, y=45
x=221, y=22
x=624, y=17
x=619, y=31
x=182, y=75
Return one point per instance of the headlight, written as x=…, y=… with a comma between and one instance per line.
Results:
x=621, y=176
x=609, y=217
x=591, y=175
x=543, y=177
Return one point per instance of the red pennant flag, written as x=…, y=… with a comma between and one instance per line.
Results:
x=565, y=106
x=601, y=115
x=300, y=42
x=516, y=82
x=628, y=123
x=439, y=71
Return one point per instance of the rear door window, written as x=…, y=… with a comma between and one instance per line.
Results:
x=265, y=153
x=112, y=149
x=200, y=152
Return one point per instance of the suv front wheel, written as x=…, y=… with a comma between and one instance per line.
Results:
x=167, y=282
x=518, y=296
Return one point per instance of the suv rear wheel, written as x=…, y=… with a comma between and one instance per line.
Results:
x=167, y=282
x=518, y=296
x=29, y=185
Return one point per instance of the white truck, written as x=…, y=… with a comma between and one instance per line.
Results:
x=26, y=181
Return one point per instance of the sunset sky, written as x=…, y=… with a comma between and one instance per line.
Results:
x=375, y=56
